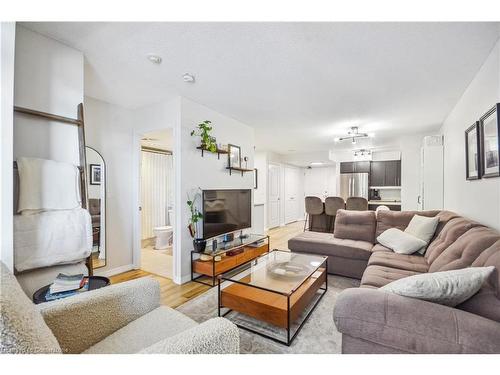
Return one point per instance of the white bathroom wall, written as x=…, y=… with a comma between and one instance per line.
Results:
x=7, y=46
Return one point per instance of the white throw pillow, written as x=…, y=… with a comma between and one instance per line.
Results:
x=449, y=288
x=424, y=228
x=400, y=242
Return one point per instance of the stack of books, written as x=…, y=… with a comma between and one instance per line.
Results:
x=66, y=285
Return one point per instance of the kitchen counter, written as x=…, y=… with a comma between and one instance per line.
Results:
x=385, y=203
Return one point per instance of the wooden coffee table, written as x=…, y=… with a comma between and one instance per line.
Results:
x=279, y=288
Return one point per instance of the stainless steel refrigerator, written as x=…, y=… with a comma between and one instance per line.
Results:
x=353, y=185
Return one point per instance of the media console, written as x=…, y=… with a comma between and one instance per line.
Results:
x=219, y=261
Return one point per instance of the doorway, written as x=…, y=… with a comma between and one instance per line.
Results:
x=157, y=203
x=274, y=195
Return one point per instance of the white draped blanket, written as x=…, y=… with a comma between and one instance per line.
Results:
x=47, y=185
x=49, y=238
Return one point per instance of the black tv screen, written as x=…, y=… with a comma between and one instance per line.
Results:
x=226, y=211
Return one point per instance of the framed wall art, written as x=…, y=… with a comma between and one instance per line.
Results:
x=472, y=152
x=490, y=143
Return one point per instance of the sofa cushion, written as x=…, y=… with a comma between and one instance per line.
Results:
x=398, y=219
x=400, y=242
x=22, y=328
x=143, y=332
x=487, y=301
x=378, y=276
x=448, y=234
x=326, y=244
x=377, y=248
x=355, y=225
x=465, y=250
x=414, y=263
x=448, y=288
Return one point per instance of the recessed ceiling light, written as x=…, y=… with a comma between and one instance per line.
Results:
x=155, y=59
x=188, y=78
x=317, y=163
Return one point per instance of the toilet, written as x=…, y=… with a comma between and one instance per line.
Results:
x=164, y=234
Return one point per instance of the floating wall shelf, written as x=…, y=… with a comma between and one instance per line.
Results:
x=242, y=170
x=218, y=151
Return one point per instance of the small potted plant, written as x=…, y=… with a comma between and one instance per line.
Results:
x=199, y=244
x=208, y=142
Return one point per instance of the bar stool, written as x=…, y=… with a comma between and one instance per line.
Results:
x=332, y=205
x=314, y=206
x=356, y=204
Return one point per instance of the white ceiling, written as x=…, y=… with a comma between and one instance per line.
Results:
x=162, y=139
x=299, y=84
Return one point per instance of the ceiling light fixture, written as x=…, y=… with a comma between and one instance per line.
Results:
x=316, y=163
x=155, y=59
x=353, y=135
x=188, y=78
x=362, y=152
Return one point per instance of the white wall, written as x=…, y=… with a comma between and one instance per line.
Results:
x=207, y=172
x=7, y=37
x=109, y=130
x=321, y=181
x=48, y=78
x=480, y=199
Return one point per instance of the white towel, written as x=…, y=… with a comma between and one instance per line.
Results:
x=54, y=237
x=47, y=185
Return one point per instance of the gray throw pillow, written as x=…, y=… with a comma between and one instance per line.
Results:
x=448, y=288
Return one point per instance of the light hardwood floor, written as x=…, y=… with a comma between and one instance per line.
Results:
x=174, y=295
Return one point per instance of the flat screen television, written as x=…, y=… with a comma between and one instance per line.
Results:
x=226, y=211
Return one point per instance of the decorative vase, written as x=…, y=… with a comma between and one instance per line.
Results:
x=199, y=244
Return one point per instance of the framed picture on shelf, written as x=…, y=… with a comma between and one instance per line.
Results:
x=95, y=174
x=255, y=178
x=234, y=156
x=490, y=143
x=472, y=152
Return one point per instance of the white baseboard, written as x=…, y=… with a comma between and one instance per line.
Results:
x=184, y=279
x=114, y=271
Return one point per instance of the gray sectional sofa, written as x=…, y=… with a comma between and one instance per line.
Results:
x=372, y=321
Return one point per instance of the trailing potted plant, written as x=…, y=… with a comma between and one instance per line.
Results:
x=199, y=244
x=208, y=142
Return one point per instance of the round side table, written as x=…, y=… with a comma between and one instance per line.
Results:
x=95, y=282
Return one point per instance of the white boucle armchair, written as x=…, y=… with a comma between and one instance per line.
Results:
x=121, y=318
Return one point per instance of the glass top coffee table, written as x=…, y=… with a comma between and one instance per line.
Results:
x=273, y=295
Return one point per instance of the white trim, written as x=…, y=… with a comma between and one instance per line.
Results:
x=184, y=279
x=136, y=193
x=114, y=271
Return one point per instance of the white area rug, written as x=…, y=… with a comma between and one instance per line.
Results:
x=318, y=335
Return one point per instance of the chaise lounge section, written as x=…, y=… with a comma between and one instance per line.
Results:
x=373, y=321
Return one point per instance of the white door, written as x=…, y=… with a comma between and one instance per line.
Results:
x=273, y=210
x=292, y=180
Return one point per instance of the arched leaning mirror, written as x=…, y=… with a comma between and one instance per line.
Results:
x=96, y=190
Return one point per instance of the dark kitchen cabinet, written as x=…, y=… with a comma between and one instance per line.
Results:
x=393, y=173
x=355, y=167
x=385, y=173
x=362, y=167
x=377, y=173
x=347, y=167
